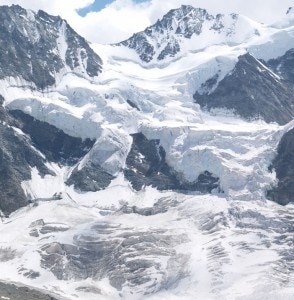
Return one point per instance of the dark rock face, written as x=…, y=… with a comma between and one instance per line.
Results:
x=17, y=157
x=284, y=167
x=91, y=178
x=146, y=165
x=53, y=142
x=163, y=39
x=189, y=21
x=290, y=10
x=125, y=256
x=140, y=43
x=251, y=91
x=17, y=292
x=32, y=46
x=133, y=105
x=170, y=49
x=284, y=65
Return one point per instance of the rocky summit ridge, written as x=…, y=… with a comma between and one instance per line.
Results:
x=171, y=35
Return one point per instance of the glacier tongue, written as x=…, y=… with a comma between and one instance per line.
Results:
x=120, y=243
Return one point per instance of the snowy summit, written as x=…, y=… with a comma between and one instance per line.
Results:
x=160, y=167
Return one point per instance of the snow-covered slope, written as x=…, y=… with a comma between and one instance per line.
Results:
x=146, y=195
x=38, y=48
x=194, y=247
x=189, y=29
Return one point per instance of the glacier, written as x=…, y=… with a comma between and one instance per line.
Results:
x=120, y=243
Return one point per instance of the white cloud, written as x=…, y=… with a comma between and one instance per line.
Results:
x=116, y=22
x=122, y=18
x=52, y=6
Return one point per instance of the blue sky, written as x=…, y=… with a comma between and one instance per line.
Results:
x=100, y=4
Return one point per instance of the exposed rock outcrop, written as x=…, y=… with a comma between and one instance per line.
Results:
x=284, y=65
x=36, y=46
x=146, y=165
x=251, y=91
x=56, y=145
x=90, y=178
x=17, y=157
x=283, y=165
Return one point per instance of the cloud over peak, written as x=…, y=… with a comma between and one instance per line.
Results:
x=120, y=19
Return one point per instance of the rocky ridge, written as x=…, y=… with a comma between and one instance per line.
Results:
x=37, y=47
x=283, y=166
x=168, y=36
x=17, y=157
x=252, y=90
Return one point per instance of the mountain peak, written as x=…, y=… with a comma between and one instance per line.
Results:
x=45, y=16
x=38, y=46
x=185, y=20
x=185, y=11
x=188, y=29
